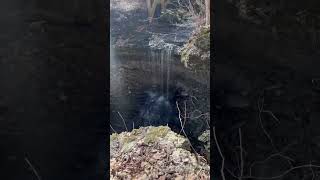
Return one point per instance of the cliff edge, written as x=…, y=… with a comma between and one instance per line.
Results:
x=154, y=153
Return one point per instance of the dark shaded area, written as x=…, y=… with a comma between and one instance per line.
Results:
x=53, y=62
x=266, y=83
x=145, y=86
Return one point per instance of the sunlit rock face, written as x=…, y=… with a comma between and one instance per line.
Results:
x=130, y=27
x=127, y=5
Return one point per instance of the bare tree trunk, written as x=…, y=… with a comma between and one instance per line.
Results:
x=207, y=12
x=151, y=9
x=152, y=5
x=164, y=4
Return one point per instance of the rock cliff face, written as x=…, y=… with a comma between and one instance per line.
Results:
x=196, y=53
x=154, y=153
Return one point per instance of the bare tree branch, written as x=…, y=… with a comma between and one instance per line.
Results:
x=32, y=168
x=241, y=155
x=219, y=150
x=123, y=121
x=113, y=129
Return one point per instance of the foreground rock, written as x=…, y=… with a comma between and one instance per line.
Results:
x=154, y=153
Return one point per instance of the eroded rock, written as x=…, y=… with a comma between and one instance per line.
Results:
x=196, y=53
x=154, y=153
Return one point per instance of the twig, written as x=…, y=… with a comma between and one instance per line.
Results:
x=113, y=129
x=312, y=172
x=182, y=128
x=123, y=121
x=197, y=117
x=201, y=166
x=237, y=159
x=32, y=168
x=272, y=155
x=208, y=121
x=284, y=173
x=179, y=115
x=207, y=114
x=218, y=147
x=271, y=113
x=185, y=113
x=185, y=116
x=191, y=8
x=191, y=99
x=278, y=176
x=314, y=175
x=241, y=155
x=232, y=174
x=262, y=126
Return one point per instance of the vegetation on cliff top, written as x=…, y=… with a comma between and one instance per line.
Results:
x=196, y=53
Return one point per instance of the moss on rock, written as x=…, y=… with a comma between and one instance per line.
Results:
x=205, y=138
x=154, y=153
x=196, y=53
x=173, y=16
x=154, y=133
x=202, y=40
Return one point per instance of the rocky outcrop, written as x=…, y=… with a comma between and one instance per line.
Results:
x=174, y=16
x=154, y=153
x=205, y=138
x=196, y=53
x=130, y=27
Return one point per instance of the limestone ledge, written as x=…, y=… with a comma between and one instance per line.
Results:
x=154, y=153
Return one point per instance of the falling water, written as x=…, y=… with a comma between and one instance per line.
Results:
x=143, y=87
x=158, y=109
x=116, y=83
x=161, y=61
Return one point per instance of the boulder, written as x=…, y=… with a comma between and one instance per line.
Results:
x=154, y=153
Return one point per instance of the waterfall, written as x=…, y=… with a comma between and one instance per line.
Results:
x=115, y=83
x=161, y=61
x=157, y=110
x=148, y=75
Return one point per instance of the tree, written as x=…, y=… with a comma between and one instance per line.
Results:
x=207, y=12
x=152, y=7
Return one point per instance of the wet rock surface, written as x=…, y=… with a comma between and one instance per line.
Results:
x=154, y=153
x=130, y=27
x=141, y=88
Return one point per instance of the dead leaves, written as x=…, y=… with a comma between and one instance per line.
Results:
x=161, y=159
